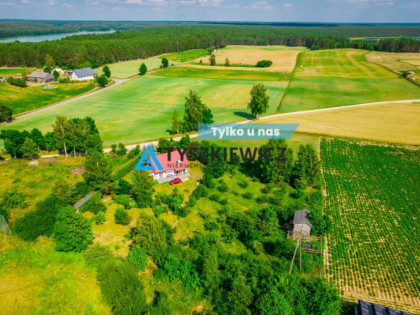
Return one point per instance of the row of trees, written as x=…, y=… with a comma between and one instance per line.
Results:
x=152, y=41
x=69, y=136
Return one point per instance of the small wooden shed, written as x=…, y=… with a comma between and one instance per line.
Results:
x=301, y=224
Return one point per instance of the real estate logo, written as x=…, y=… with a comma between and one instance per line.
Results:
x=145, y=163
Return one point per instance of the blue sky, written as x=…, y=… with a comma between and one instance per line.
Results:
x=216, y=10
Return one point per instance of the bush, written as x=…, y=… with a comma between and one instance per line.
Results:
x=41, y=221
x=123, y=200
x=100, y=218
x=223, y=187
x=122, y=289
x=243, y=184
x=138, y=258
x=72, y=231
x=264, y=63
x=98, y=255
x=4, y=213
x=122, y=217
x=94, y=205
x=215, y=197
x=124, y=187
x=267, y=188
x=200, y=192
x=297, y=194
x=247, y=195
x=12, y=198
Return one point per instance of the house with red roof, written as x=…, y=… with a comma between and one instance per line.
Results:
x=175, y=167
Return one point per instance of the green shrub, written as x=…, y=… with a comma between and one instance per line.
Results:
x=124, y=187
x=123, y=200
x=297, y=194
x=122, y=289
x=72, y=231
x=200, y=192
x=215, y=197
x=223, y=187
x=243, y=184
x=94, y=205
x=41, y=221
x=267, y=188
x=247, y=195
x=138, y=258
x=4, y=213
x=12, y=198
x=122, y=217
x=100, y=218
x=264, y=63
x=98, y=255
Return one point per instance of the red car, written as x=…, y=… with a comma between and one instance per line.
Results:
x=175, y=181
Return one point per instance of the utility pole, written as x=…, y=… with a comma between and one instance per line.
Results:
x=294, y=255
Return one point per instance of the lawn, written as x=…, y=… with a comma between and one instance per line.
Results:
x=283, y=57
x=35, y=279
x=396, y=122
x=374, y=229
x=21, y=100
x=223, y=74
x=126, y=69
x=342, y=77
x=9, y=71
x=141, y=109
x=184, y=56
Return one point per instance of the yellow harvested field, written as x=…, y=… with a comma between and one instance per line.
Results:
x=283, y=57
x=415, y=62
x=393, y=122
x=394, y=61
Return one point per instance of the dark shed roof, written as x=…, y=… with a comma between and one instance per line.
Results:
x=301, y=217
x=367, y=308
x=84, y=72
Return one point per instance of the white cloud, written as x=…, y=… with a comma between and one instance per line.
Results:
x=68, y=6
x=186, y=2
x=25, y=1
x=209, y=3
x=51, y=2
x=134, y=1
x=261, y=5
x=372, y=2
x=158, y=2
x=288, y=5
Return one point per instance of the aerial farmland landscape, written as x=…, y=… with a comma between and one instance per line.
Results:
x=209, y=157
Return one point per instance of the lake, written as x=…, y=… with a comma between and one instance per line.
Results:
x=40, y=38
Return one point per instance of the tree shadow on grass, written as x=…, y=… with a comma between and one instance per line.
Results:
x=244, y=115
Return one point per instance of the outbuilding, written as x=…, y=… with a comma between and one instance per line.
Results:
x=174, y=168
x=41, y=77
x=301, y=224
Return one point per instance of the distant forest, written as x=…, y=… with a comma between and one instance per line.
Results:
x=154, y=39
x=13, y=28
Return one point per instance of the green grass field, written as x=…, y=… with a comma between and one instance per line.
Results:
x=342, y=77
x=141, y=109
x=21, y=100
x=9, y=71
x=184, y=56
x=126, y=69
x=36, y=182
x=227, y=74
x=373, y=239
x=35, y=279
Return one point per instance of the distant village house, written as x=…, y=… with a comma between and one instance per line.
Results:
x=83, y=74
x=41, y=77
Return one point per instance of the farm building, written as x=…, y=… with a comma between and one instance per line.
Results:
x=366, y=308
x=171, y=169
x=301, y=224
x=83, y=74
x=42, y=77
